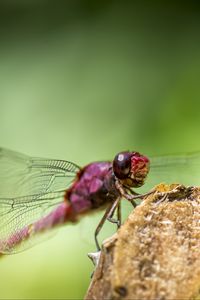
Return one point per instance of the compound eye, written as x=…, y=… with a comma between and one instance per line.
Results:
x=122, y=165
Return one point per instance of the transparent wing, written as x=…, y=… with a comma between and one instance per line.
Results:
x=23, y=220
x=179, y=168
x=31, y=198
x=22, y=175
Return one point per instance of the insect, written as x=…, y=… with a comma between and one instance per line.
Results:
x=38, y=194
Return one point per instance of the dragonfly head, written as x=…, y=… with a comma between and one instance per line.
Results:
x=131, y=168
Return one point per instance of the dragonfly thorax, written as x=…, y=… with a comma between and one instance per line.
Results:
x=94, y=188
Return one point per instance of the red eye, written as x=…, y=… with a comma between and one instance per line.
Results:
x=122, y=165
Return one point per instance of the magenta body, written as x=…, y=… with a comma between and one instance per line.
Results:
x=93, y=188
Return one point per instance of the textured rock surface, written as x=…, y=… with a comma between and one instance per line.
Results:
x=156, y=253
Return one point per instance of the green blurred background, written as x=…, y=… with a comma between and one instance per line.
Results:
x=83, y=80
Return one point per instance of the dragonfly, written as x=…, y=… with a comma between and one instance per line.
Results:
x=40, y=194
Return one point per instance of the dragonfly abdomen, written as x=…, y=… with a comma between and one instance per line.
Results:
x=61, y=214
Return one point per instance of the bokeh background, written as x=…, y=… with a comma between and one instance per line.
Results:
x=83, y=80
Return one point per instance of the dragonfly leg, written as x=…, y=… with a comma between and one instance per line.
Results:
x=117, y=221
x=131, y=191
x=129, y=197
x=119, y=214
x=111, y=213
x=134, y=204
x=108, y=214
